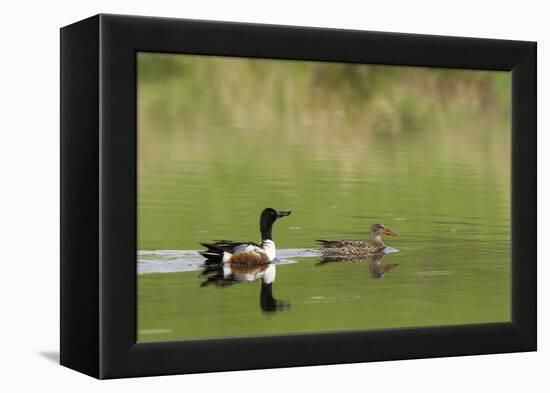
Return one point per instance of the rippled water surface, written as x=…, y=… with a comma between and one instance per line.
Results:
x=423, y=151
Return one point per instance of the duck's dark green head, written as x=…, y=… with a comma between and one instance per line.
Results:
x=267, y=218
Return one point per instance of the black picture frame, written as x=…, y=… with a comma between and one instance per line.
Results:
x=98, y=195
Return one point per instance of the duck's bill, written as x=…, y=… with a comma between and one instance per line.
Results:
x=388, y=232
x=283, y=213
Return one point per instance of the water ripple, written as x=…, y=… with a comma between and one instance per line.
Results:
x=172, y=261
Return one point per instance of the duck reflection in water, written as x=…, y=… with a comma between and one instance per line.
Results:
x=377, y=268
x=222, y=275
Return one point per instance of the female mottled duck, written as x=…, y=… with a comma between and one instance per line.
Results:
x=356, y=249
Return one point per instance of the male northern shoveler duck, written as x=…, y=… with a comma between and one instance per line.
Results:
x=356, y=249
x=246, y=253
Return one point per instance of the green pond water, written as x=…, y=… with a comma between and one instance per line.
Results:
x=423, y=151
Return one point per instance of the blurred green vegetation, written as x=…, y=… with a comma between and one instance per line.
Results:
x=423, y=150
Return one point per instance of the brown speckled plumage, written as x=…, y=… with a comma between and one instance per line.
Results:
x=349, y=250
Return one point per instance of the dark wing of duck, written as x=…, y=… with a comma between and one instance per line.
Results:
x=214, y=251
x=329, y=243
x=232, y=245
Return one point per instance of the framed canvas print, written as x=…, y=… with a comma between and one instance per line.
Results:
x=296, y=196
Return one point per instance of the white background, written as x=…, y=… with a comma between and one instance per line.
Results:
x=29, y=181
